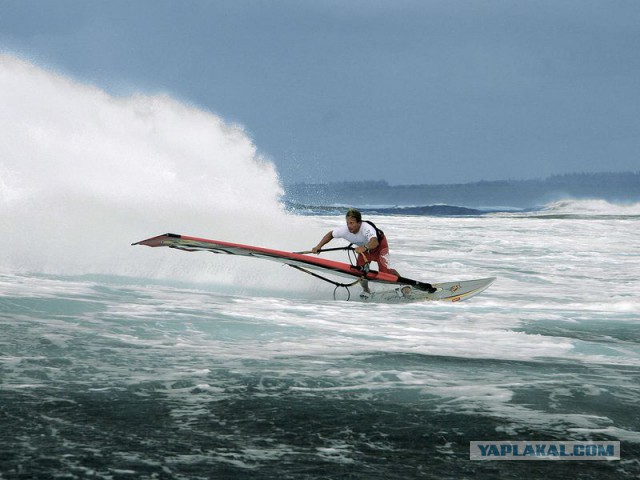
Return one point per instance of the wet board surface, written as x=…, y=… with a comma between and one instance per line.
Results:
x=447, y=291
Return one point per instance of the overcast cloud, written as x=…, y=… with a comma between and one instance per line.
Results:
x=406, y=91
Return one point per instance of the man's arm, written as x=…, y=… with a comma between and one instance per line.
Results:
x=326, y=239
x=373, y=243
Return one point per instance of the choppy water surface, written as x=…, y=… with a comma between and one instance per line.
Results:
x=122, y=377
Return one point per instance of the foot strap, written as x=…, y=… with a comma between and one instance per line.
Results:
x=425, y=287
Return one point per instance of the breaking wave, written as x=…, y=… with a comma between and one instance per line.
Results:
x=592, y=207
x=83, y=174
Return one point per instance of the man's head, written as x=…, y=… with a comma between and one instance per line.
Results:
x=354, y=219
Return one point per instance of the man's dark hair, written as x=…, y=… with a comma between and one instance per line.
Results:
x=353, y=213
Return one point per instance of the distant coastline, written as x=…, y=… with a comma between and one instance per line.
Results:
x=613, y=187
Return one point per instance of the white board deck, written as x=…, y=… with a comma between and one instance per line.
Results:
x=448, y=292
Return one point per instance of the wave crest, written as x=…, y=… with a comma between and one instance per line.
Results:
x=592, y=207
x=83, y=174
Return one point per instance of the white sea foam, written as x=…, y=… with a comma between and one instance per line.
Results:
x=83, y=174
x=592, y=207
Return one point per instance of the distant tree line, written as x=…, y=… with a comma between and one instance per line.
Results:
x=611, y=186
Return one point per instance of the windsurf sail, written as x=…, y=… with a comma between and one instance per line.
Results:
x=296, y=260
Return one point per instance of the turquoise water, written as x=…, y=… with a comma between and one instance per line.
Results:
x=128, y=377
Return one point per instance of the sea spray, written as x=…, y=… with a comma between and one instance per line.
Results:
x=592, y=207
x=84, y=174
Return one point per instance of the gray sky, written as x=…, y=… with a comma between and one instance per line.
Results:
x=406, y=91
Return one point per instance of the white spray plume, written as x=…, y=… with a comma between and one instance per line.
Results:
x=84, y=174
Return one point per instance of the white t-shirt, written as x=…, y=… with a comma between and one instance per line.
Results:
x=366, y=233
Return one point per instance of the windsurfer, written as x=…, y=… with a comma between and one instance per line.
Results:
x=371, y=243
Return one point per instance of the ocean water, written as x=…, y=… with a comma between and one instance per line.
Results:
x=115, y=377
x=125, y=362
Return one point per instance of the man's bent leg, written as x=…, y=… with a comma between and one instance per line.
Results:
x=361, y=262
x=383, y=260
